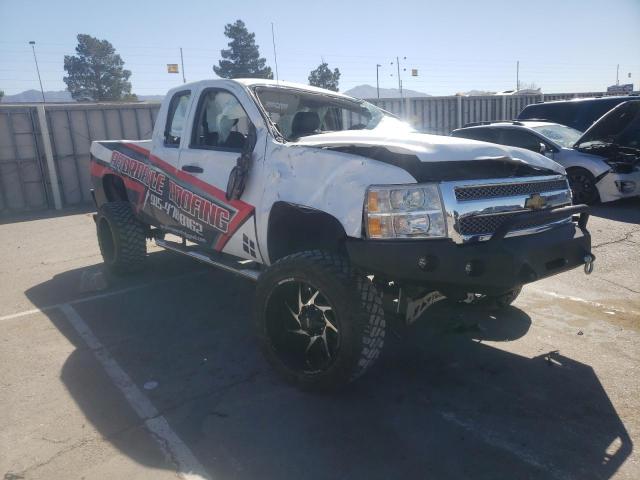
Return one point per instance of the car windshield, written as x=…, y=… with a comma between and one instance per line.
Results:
x=298, y=113
x=563, y=136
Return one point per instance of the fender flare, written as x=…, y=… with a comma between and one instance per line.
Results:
x=293, y=228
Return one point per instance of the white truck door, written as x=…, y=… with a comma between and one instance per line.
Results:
x=164, y=159
x=219, y=129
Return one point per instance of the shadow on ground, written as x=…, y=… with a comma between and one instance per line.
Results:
x=6, y=218
x=626, y=210
x=439, y=404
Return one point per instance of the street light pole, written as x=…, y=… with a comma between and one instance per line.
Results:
x=378, y=79
x=33, y=47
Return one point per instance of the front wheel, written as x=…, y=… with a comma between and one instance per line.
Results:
x=320, y=325
x=583, y=186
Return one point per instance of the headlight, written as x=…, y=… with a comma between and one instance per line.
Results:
x=397, y=211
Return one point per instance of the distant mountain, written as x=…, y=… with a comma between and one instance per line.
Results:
x=367, y=91
x=150, y=98
x=34, y=96
x=61, y=96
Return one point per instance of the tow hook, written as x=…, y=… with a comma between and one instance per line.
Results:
x=588, y=263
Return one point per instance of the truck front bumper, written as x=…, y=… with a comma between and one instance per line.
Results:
x=491, y=267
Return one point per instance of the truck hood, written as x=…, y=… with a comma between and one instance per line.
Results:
x=620, y=126
x=435, y=157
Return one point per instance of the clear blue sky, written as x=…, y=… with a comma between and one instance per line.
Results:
x=562, y=45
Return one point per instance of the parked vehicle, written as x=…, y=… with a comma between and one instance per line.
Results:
x=578, y=113
x=346, y=217
x=603, y=163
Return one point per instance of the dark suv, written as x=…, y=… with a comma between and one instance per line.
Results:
x=579, y=113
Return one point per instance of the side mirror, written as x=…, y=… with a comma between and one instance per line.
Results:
x=239, y=173
x=543, y=149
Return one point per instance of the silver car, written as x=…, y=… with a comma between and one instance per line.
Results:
x=603, y=163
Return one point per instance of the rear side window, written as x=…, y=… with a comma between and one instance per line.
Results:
x=575, y=114
x=562, y=113
x=482, y=134
x=176, y=118
x=519, y=138
x=594, y=110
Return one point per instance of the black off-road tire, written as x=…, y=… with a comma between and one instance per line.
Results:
x=121, y=237
x=356, y=310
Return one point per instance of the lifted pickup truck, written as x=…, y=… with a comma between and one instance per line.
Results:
x=342, y=213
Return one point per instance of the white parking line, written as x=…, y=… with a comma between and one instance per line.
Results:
x=27, y=312
x=101, y=295
x=586, y=302
x=175, y=449
x=497, y=441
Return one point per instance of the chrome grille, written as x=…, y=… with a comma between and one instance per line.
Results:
x=476, y=209
x=488, y=224
x=479, y=192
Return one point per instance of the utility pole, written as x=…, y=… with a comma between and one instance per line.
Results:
x=378, y=79
x=184, y=80
x=33, y=47
x=517, y=76
x=275, y=53
x=399, y=80
x=618, y=75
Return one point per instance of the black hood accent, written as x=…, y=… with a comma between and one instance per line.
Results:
x=481, y=169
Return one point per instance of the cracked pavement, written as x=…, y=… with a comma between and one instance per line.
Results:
x=547, y=389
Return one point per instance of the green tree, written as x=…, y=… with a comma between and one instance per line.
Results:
x=323, y=77
x=242, y=58
x=1, y=95
x=96, y=73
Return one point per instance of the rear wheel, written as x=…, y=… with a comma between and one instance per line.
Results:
x=321, y=325
x=583, y=186
x=121, y=237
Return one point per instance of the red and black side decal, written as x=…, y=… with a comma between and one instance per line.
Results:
x=173, y=198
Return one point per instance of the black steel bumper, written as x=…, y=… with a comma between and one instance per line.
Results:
x=489, y=267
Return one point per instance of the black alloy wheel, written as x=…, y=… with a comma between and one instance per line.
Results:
x=302, y=326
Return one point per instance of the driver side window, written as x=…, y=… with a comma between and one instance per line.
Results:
x=221, y=123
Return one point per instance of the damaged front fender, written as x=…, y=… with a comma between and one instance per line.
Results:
x=330, y=181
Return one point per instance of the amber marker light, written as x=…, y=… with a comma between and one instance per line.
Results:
x=372, y=202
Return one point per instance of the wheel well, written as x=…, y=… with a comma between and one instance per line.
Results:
x=295, y=228
x=114, y=188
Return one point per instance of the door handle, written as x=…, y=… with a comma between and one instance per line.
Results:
x=192, y=169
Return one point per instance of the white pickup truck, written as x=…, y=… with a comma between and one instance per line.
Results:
x=345, y=216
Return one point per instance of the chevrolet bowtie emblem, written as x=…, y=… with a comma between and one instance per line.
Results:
x=535, y=202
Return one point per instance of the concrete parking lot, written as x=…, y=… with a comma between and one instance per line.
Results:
x=159, y=375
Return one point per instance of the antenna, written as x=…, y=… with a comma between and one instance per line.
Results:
x=275, y=54
x=184, y=80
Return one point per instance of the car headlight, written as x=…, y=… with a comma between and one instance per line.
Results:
x=399, y=211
